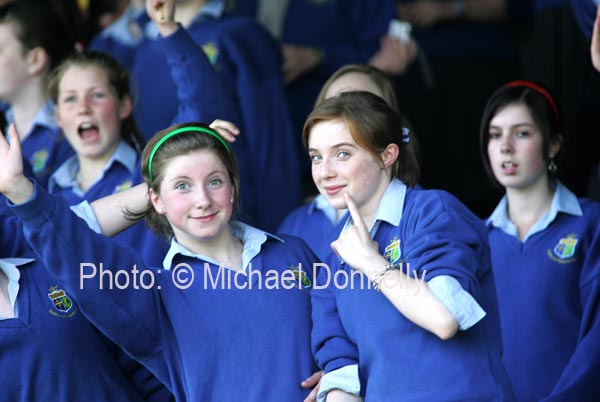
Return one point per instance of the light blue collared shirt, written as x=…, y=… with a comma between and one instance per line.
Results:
x=563, y=201
x=66, y=175
x=44, y=117
x=9, y=267
x=321, y=203
x=120, y=30
x=251, y=237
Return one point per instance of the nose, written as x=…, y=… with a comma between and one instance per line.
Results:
x=201, y=198
x=325, y=169
x=506, y=146
x=83, y=105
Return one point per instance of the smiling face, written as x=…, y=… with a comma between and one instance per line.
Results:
x=89, y=112
x=340, y=165
x=196, y=195
x=515, y=148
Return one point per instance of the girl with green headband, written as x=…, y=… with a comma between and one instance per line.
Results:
x=230, y=304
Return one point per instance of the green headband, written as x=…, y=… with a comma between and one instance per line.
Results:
x=179, y=131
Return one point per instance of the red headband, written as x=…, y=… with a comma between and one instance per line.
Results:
x=540, y=90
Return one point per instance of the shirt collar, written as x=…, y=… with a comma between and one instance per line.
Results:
x=252, y=239
x=66, y=175
x=563, y=201
x=9, y=267
x=321, y=203
x=120, y=30
x=390, y=207
x=44, y=117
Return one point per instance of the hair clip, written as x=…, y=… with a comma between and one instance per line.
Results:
x=405, y=135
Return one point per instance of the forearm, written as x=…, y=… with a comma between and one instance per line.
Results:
x=111, y=211
x=20, y=191
x=411, y=297
x=337, y=395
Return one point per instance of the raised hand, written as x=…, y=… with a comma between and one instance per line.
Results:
x=226, y=129
x=355, y=245
x=162, y=13
x=13, y=183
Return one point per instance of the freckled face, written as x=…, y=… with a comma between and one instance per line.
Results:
x=340, y=165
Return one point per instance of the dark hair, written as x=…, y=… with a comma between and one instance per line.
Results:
x=37, y=24
x=118, y=78
x=180, y=144
x=372, y=123
x=543, y=110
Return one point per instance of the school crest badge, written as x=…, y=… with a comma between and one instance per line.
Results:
x=300, y=277
x=392, y=251
x=211, y=51
x=61, y=301
x=39, y=159
x=564, y=250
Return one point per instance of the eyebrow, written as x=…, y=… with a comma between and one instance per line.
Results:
x=183, y=176
x=515, y=125
x=340, y=145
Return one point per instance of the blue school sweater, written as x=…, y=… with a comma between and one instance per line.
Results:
x=549, y=293
x=311, y=222
x=121, y=172
x=207, y=343
x=51, y=352
x=398, y=360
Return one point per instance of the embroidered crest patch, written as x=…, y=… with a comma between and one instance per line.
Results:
x=564, y=250
x=392, y=251
x=61, y=302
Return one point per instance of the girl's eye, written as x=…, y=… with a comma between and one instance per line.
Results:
x=493, y=135
x=68, y=99
x=343, y=155
x=98, y=95
x=216, y=182
x=522, y=133
x=182, y=186
x=315, y=158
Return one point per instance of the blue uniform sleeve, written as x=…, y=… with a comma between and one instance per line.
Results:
x=444, y=238
x=331, y=346
x=370, y=21
x=579, y=379
x=266, y=124
x=201, y=95
x=127, y=316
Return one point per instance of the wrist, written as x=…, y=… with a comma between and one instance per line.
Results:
x=21, y=191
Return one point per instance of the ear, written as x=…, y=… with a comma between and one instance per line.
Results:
x=125, y=107
x=156, y=202
x=389, y=155
x=37, y=60
x=555, y=145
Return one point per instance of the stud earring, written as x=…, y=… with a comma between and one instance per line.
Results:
x=552, y=167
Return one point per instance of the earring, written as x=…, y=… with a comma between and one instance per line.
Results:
x=231, y=200
x=552, y=167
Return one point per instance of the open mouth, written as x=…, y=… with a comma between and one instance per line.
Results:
x=88, y=132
